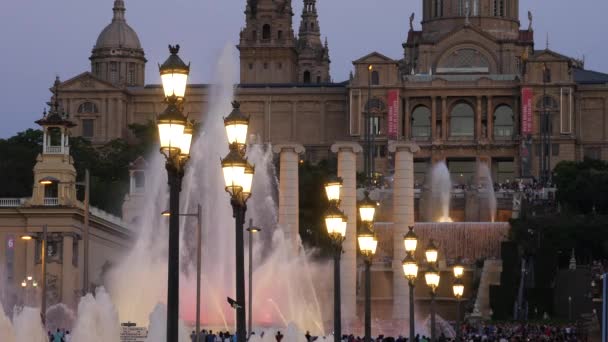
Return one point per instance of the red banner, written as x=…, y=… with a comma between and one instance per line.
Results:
x=526, y=111
x=393, y=114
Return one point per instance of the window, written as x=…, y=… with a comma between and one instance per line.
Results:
x=113, y=72
x=592, y=153
x=280, y=35
x=306, y=76
x=375, y=125
x=312, y=26
x=51, y=190
x=97, y=69
x=438, y=8
x=139, y=179
x=499, y=8
x=503, y=122
x=462, y=121
x=131, y=74
x=421, y=123
x=54, y=136
x=475, y=8
x=420, y=171
x=555, y=150
x=266, y=32
x=88, y=128
x=75, y=252
x=505, y=171
x=547, y=102
x=462, y=172
x=318, y=79
x=254, y=35
x=375, y=78
x=87, y=108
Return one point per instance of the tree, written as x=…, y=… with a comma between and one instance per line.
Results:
x=581, y=186
x=17, y=159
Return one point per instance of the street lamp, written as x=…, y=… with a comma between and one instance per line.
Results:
x=238, y=179
x=367, y=245
x=43, y=244
x=410, y=270
x=252, y=230
x=336, y=222
x=432, y=278
x=199, y=239
x=175, y=141
x=87, y=192
x=458, y=289
x=458, y=269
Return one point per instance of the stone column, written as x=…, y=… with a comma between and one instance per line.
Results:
x=288, y=191
x=490, y=120
x=347, y=170
x=433, y=118
x=444, y=118
x=67, y=272
x=403, y=217
x=478, y=119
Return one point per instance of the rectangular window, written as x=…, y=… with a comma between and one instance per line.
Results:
x=555, y=150
x=462, y=171
x=140, y=179
x=505, y=171
x=592, y=153
x=420, y=171
x=114, y=72
x=131, y=74
x=88, y=128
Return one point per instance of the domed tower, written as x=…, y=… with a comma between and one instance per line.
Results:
x=499, y=18
x=118, y=57
x=267, y=43
x=313, y=56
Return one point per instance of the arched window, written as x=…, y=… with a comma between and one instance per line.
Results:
x=462, y=120
x=266, y=32
x=421, y=123
x=503, y=122
x=547, y=103
x=306, y=76
x=87, y=108
x=375, y=77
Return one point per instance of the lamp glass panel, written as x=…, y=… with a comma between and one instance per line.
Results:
x=186, y=141
x=432, y=279
x=334, y=224
x=368, y=244
x=333, y=191
x=247, y=182
x=431, y=255
x=174, y=84
x=458, y=290
x=410, y=244
x=237, y=133
x=410, y=270
x=367, y=213
x=342, y=227
x=233, y=177
x=458, y=271
x=170, y=135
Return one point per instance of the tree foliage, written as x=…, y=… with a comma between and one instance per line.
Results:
x=582, y=186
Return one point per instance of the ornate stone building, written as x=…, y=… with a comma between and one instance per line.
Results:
x=458, y=90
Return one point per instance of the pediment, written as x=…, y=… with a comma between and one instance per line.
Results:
x=469, y=34
x=374, y=57
x=86, y=81
x=549, y=55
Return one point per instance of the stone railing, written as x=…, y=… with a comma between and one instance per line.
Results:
x=51, y=201
x=108, y=217
x=12, y=202
x=56, y=150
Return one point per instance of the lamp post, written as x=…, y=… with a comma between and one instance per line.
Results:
x=458, y=289
x=199, y=240
x=336, y=221
x=410, y=270
x=87, y=191
x=367, y=245
x=43, y=242
x=238, y=178
x=432, y=280
x=175, y=135
x=252, y=230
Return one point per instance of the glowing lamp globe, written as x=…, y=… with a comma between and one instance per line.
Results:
x=410, y=240
x=367, y=209
x=332, y=189
x=248, y=180
x=368, y=243
x=171, y=125
x=237, y=125
x=174, y=74
x=335, y=222
x=186, y=141
x=458, y=270
x=431, y=253
x=410, y=267
x=458, y=288
x=432, y=278
x=233, y=167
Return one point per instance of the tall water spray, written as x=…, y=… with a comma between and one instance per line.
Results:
x=487, y=196
x=284, y=290
x=441, y=191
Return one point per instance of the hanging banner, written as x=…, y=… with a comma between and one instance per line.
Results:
x=393, y=114
x=526, y=111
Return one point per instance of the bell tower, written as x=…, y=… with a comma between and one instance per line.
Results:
x=54, y=172
x=313, y=56
x=267, y=43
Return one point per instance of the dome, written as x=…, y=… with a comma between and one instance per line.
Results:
x=118, y=34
